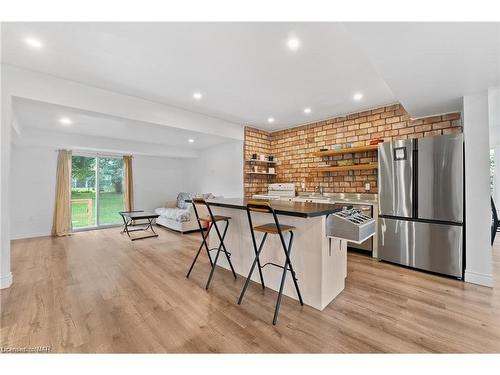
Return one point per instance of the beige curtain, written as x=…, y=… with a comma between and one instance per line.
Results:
x=128, y=196
x=62, y=212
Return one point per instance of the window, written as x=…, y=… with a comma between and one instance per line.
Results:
x=96, y=191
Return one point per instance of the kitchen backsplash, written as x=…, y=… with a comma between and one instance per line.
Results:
x=293, y=148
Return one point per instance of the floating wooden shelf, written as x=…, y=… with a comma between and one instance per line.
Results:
x=260, y=161
x=262, y=173
x=349, y=150
x=356, y=167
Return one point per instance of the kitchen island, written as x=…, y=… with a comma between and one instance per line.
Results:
x=319, y=262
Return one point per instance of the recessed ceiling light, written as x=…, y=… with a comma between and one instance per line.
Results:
x=33, y=43
x=197, y=95
x=191, y=140
x=358, y=96
x=65, y=121
x=270, y=120
x=293, y=43
x=307, y=110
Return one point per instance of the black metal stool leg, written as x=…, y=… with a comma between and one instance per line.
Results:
x=251, y=269
x=228, y=256
x=205, y=239
x=194, y=260
x=290, y=242
x=256, y=251
x=213, y=267
x=285, y=269
x=204, y=242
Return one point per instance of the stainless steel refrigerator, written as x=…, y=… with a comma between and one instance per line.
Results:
x=421, y=203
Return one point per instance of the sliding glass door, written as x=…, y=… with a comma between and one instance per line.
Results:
x=97, y=191
x=83, y=192
x=110, y=200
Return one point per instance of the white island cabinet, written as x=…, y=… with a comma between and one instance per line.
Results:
x=320, y=263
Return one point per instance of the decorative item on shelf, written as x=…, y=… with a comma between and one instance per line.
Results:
x=254, y=156
x=348, y=145
x=262, y=157
x=255, y=169
x=344, y=162
x=271, y=170
x=323, y=148
x=323, y=164
x=336, y=147
x=270, y=158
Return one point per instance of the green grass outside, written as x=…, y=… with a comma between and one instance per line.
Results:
x=109, y=205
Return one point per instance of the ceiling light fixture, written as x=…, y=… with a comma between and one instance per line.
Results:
x=197, y=95
x=191, y=140
x=293, y=43
x=270, y=120
x=33, y=43
x=358, y=96
x=65, y=121
x=307, y=110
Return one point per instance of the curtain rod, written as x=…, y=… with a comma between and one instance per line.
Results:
x=96, y=153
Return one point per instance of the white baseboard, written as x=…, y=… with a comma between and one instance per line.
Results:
x=6, y=281
x=21, y=236
x=479, y=278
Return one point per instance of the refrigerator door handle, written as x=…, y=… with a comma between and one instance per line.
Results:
x=415, y=179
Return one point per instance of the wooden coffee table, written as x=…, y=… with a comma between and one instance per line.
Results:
x=130, y=224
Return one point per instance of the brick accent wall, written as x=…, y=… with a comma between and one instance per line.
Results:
x=256, y=141
x=293, y=148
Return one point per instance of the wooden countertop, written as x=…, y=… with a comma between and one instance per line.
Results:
x=298, y=209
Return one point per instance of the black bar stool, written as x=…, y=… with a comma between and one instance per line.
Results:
x=271, y=228
x=211, y=220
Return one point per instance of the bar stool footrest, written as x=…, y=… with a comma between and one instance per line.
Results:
x=282, y=267
x=275, y=265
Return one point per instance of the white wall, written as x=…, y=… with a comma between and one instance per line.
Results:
x=5, y=274
x=157, y=180
x=218, y=170
x=494, y=124
x=33, y=177
x=32, y=186
x=477, y=190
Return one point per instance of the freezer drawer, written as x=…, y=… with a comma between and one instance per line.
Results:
x=395, y=178
x=427, y=246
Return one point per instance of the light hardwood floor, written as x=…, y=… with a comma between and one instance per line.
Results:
x=99, y=292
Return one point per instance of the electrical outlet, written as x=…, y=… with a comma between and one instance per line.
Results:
x=367, y=186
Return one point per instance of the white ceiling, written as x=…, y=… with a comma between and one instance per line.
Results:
x=247, y=74
x=244, y=70
x=431, y=66
x=34, y=115
x=35, y=121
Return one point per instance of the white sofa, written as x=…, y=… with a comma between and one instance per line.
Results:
x=180, y=216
